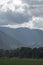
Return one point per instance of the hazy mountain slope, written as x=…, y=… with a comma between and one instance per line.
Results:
x=29, y=37
x=7, y=42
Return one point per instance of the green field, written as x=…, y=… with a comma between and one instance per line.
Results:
x=21, y=62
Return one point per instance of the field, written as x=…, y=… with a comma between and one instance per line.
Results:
x=21, y=62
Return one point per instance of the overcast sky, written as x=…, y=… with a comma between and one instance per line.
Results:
x=21, y=13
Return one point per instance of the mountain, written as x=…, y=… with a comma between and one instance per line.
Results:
x=28, y=37
x=7, y=42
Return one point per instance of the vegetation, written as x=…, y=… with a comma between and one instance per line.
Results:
x=23, y=52
x=20, y=62
x=22, y=56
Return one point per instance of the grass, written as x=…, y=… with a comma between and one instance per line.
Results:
x=21, y=62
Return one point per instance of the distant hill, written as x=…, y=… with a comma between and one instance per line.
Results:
x=28, y=37
x=7, y=42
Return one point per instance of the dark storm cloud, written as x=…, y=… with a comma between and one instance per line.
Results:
x=10, y=17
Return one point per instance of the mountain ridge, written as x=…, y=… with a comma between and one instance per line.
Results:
x=29, y=37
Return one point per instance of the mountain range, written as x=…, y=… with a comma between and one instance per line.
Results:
x=13, y=38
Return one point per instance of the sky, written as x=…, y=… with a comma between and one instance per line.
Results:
x=21, y=13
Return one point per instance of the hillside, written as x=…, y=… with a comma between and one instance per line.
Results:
x=28, y=37
x=7, y=42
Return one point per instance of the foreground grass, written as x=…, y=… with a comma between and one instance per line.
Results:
x=21, y=62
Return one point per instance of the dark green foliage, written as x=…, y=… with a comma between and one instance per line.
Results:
x=23, y=52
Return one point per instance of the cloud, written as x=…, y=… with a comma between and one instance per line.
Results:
x=36, y=7
x=13, y=11
x=33, y=2
x=9, y=4
x=34, y=23
x=10, y=17
x=37, y=22
x=12, y=5
x=21, y=13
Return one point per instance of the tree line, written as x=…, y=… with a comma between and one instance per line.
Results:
x=23, y=52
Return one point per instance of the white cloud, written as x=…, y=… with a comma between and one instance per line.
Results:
x=11, y=5
x=35, y=23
